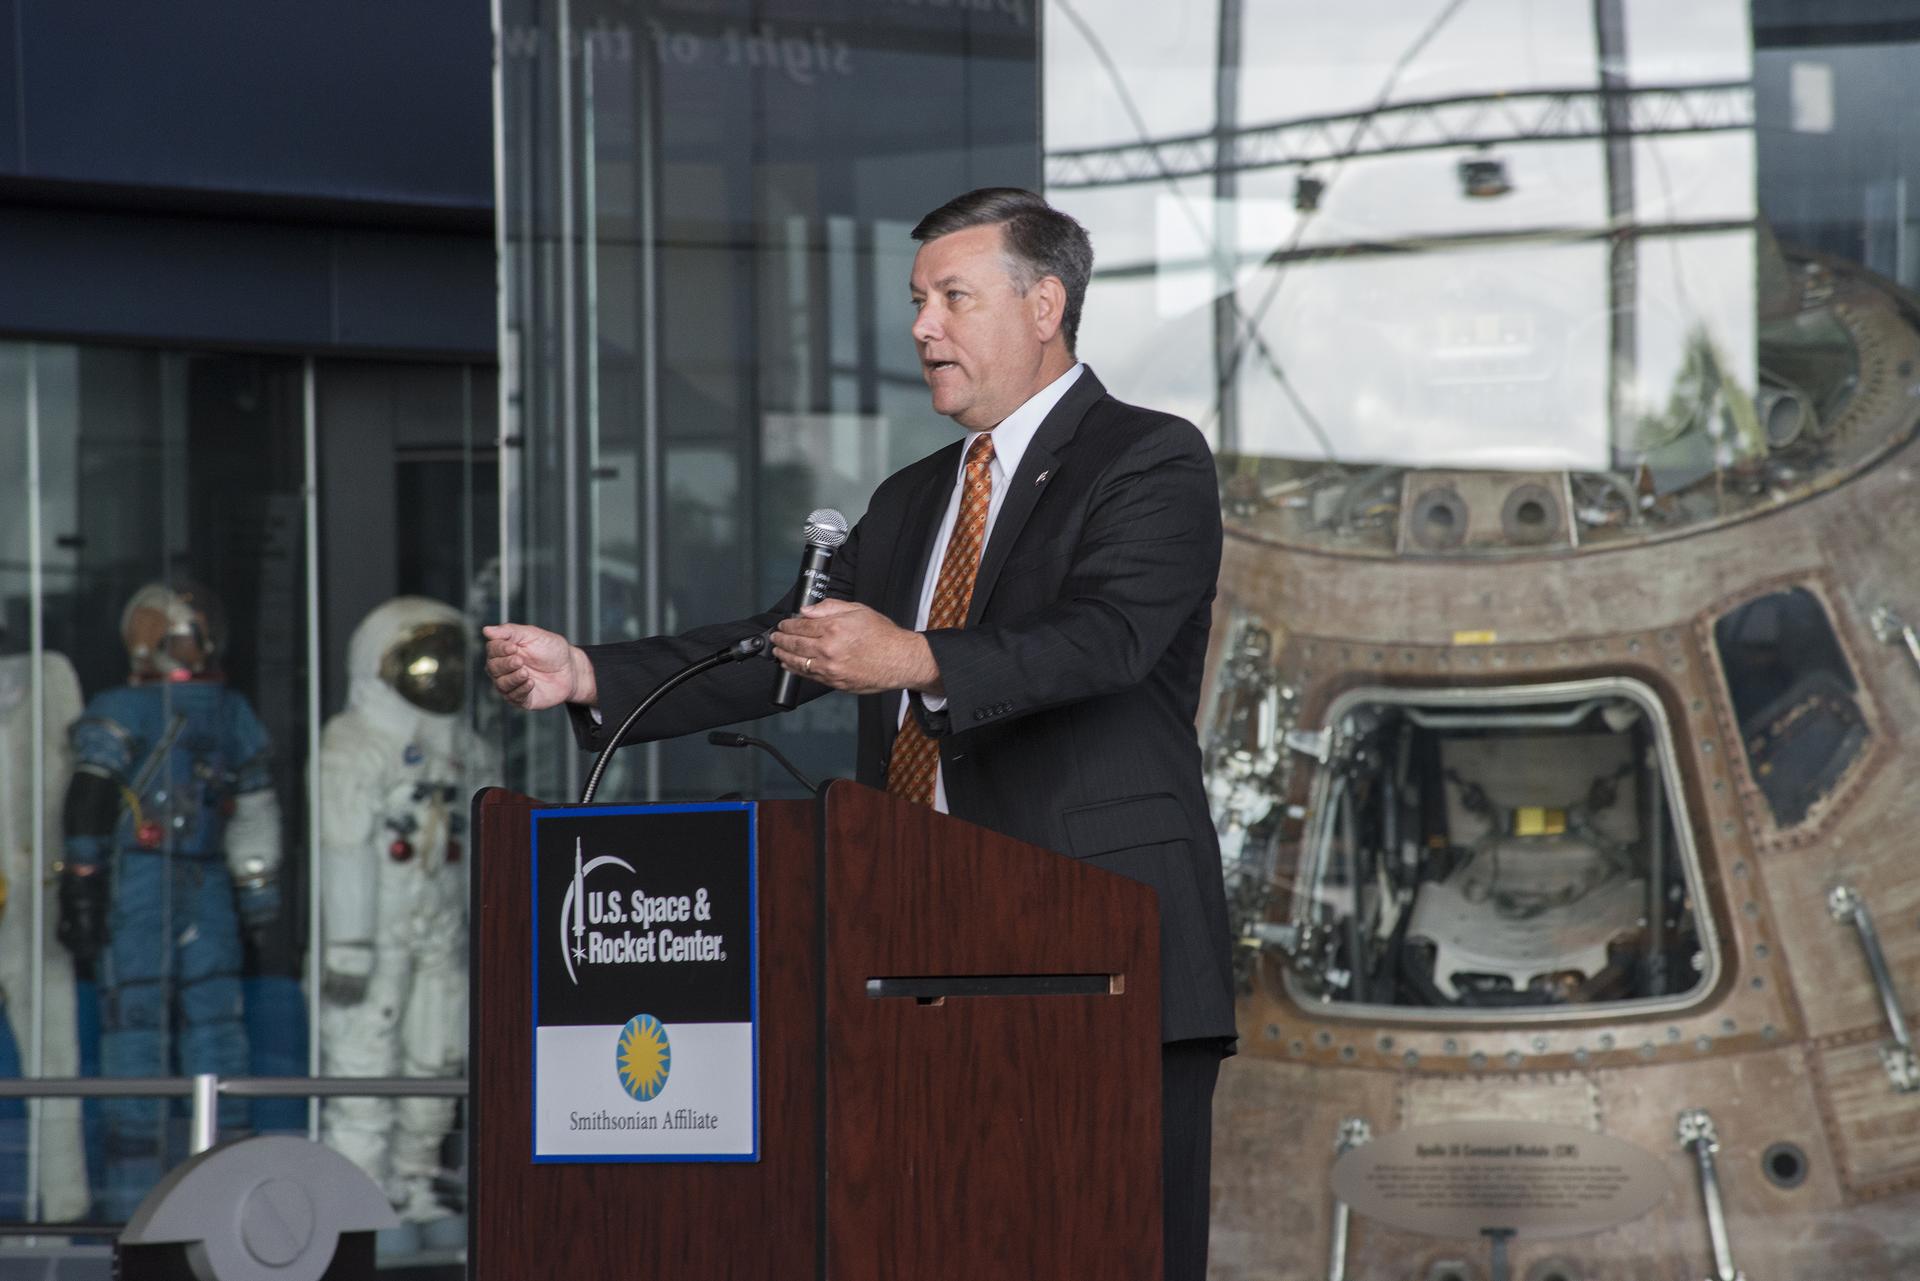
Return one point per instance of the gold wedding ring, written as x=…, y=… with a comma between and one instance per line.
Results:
x=808, y=667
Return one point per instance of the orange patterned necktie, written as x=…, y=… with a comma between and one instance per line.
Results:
x=910, y=771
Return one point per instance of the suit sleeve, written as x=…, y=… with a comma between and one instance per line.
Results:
x=625, y=672
x=1146, y=559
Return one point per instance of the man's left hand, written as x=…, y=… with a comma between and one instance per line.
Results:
x=850, y=647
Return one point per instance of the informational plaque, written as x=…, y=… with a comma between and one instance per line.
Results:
x=646, y=991
x=1534, y=1180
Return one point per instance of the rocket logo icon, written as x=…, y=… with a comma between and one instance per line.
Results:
x=573, y=908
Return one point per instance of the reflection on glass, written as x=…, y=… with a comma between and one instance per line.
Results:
x=1563, y=371
x=1534, y=247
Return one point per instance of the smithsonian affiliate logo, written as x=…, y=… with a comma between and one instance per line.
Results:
x=643, y=1058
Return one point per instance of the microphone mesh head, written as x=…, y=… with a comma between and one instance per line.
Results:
x=826, y=528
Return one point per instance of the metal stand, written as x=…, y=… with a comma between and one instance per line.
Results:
x=1497, y=1239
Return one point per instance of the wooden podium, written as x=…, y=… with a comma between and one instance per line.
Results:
x=960, y=1070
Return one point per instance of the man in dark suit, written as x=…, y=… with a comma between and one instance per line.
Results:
x=1024, y=618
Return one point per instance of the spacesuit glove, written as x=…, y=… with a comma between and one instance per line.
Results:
x=347, y=971
x=84, y=902
x=258, y=906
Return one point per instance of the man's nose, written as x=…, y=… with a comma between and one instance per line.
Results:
x=926, y=325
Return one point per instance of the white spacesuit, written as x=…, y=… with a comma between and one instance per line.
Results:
x=24, y=856
x=396, y=771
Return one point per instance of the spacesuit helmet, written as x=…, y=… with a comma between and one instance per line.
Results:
x=175, y=630
x=426, y=664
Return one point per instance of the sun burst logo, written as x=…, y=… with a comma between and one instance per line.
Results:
x=644, y=1058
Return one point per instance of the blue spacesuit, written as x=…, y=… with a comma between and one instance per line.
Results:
x=169, y=807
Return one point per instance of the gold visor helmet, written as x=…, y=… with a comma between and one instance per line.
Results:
x=427, y=666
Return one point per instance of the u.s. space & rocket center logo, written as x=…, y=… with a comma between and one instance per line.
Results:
x=645, y=984
x=618, y=926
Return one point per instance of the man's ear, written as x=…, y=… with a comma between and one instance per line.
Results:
x=1047, y=304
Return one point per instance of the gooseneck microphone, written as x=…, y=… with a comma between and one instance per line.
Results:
x=739, y=651
x=732, y=738
x=825, y=530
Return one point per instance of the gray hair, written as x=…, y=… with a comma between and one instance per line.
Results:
x=1041, y=241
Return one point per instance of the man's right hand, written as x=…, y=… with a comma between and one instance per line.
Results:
x=534, y=668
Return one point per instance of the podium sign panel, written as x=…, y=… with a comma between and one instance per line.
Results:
x=645, y=984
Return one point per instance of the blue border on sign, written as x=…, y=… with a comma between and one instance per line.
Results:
x=753, y=917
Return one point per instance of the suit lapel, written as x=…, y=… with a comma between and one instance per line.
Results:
x=1037, y=467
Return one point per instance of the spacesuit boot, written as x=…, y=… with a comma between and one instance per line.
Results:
x=396, y=768
x=169, y=804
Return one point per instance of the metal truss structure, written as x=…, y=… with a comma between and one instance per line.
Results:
x=1480, y=120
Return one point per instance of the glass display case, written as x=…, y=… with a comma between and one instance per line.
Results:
x=182, y=535
x=1560, y=363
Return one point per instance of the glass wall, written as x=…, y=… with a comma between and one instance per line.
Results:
x=705, y=258
x=189, y=544
x=1560, y=362
x=1560, y=365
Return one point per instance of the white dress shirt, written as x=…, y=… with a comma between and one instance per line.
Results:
x=1010, y=440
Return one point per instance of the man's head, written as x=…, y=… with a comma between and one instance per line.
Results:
x=997, y=289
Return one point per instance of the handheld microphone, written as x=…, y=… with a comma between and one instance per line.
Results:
x=825, y=530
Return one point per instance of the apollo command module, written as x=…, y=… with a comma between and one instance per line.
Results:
x=1586, y=802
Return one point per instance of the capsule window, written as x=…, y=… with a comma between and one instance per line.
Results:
x=1499, y=854
x=1795, y=698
